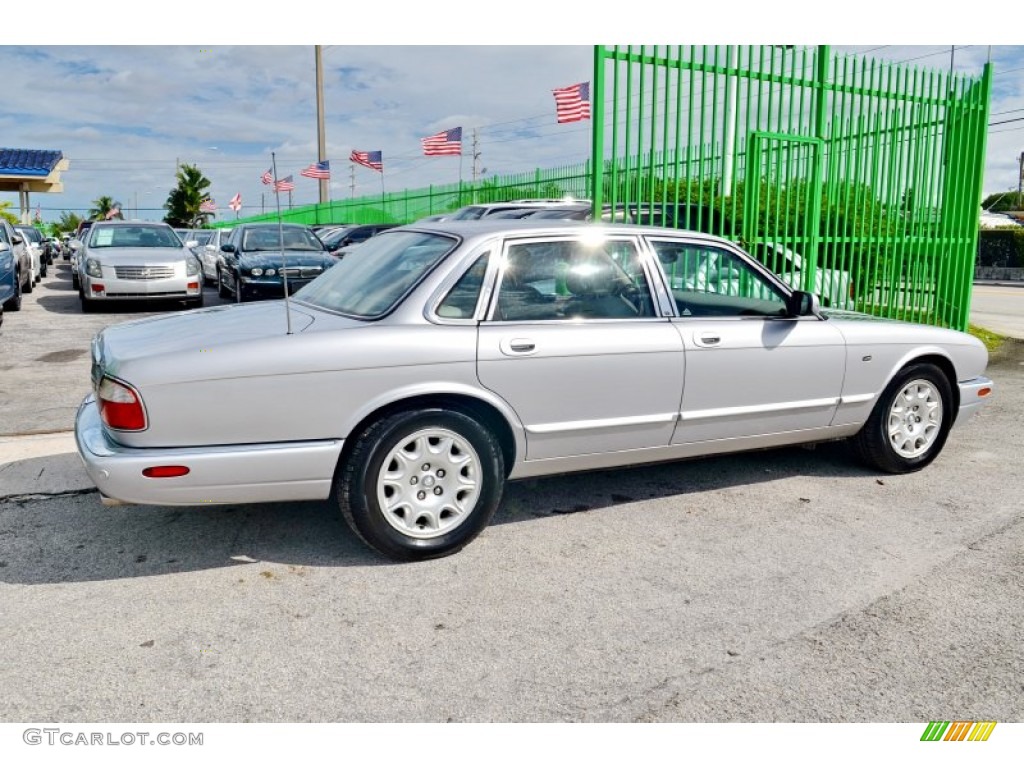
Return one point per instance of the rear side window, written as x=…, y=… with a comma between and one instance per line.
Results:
x=462, y=299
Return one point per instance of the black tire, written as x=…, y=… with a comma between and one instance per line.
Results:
x=195, y=303
x=29, y=284
x=222, y=290
x=75, y=283
x=13, y=304
x=399, y=534
x=88, y=305
x=923, y=439
x=42, y=270
x=239, y=291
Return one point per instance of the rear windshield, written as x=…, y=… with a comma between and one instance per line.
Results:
x=372, y=280
x=132, y=237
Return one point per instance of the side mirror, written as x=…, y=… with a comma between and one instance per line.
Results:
x=17, y=239
x=802, y=304
x=75, y=244
x=228, y=247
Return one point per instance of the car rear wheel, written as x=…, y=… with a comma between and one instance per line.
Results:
x=421, y=484
x=222, y=290
x=30, y=285
x=909, y=424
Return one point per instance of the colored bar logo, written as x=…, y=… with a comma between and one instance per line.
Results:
x=958, y=731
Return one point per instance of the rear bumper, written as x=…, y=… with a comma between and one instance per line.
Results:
x=970, y=399
x=228, y=474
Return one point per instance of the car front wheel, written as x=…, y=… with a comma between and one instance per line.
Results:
x=909, y=424
x=421, y=484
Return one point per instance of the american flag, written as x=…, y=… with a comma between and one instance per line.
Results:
x=267, y=177
x=208, y=206
x=320, y=170
x=236, y=202
x=443, y=143
x=573, y=103
x=287, y=184
x=374, y=160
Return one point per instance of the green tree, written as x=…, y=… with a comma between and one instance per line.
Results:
x=105, y=206
x=1002, y=201
x=5, y=214
x=68, y=221
x=184, y=201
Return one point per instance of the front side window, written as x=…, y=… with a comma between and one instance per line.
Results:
x=708, y=281
x=372, y=280
x=573, y=280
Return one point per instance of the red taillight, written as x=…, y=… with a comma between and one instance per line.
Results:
x=120, y=406
x=174, y=470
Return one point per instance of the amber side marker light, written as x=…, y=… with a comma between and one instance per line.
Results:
x=984, y=391
x=174, y=470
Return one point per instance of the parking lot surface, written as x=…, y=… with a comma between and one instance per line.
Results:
x=783, y=585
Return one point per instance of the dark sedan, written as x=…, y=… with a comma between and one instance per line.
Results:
x=257, y=259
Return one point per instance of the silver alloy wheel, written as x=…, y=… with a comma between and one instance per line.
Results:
x=915, y=418
x=429, y=483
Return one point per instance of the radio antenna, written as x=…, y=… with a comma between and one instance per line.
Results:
x=280, y=242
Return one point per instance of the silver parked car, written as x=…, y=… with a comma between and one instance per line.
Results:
x=447, y=358
x=128, y=260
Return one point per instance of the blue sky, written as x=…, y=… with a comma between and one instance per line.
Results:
x=125, y=116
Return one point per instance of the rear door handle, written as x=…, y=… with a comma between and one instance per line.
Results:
x=707, y=339
x=518, y=347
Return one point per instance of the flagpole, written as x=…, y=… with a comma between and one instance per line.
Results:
x=280, y=239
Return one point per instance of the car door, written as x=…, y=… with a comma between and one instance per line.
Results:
x=574, y=344
x=750, y=369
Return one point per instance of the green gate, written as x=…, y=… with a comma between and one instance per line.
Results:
x=854, y=178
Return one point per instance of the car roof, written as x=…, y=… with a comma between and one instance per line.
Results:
x=480, y=228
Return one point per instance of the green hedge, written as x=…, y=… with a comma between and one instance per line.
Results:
x=1001, y=247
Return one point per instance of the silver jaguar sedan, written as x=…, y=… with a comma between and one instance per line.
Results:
x=130, y=260
x=447, y=358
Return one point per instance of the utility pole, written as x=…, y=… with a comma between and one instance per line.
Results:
x=320, y=136
x=352, y=180
x=1020, y=179
x=476, y=153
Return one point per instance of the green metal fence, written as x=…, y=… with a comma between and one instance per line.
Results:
x=412, y=204
x=857, y=179
x=854, y=178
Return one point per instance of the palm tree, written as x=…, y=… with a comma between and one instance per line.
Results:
x=184, y=201
x=105, y=207
x=68, y=221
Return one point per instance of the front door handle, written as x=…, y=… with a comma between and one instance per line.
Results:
x=707, y=339
x=518, y=347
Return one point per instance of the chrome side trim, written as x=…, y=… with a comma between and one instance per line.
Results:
x=575, y=426
x=748, y=410
x=854, y=399
x=582, y=463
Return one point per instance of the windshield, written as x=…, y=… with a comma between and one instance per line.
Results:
x=32, y=234
x=373, y=279
x=270, y=239
x=132, y=237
